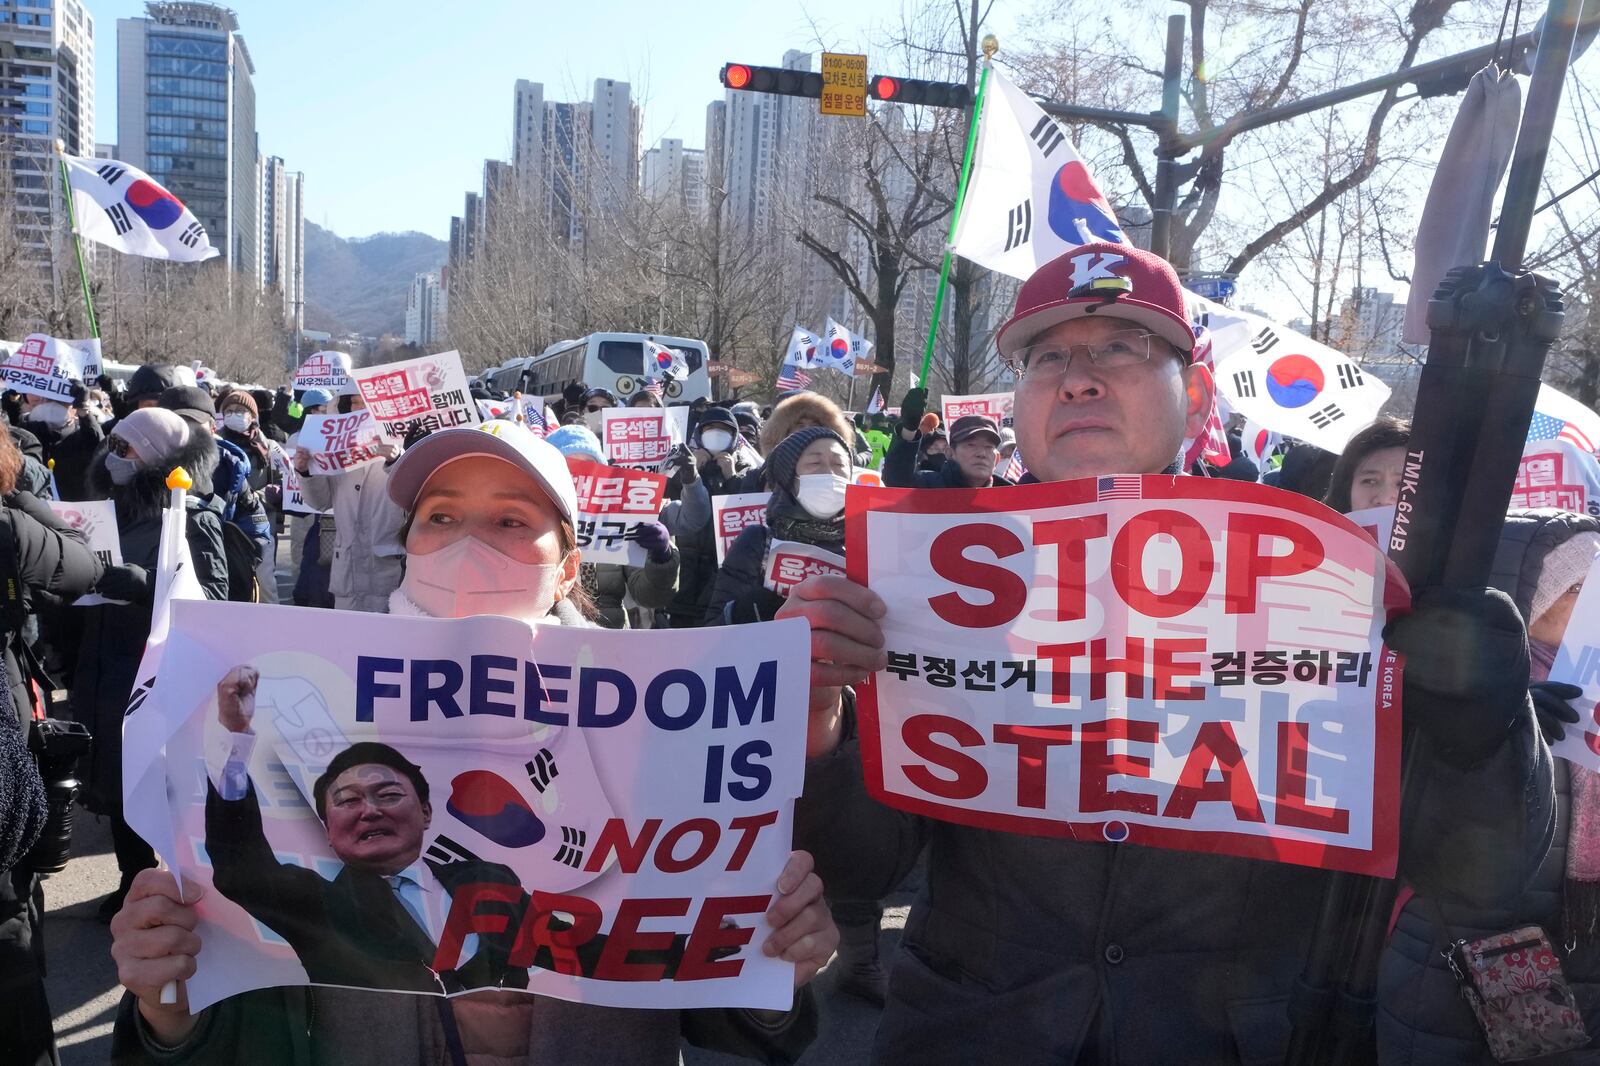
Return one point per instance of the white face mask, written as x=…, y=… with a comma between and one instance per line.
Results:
x=716, y=440
x=49, y=413
x=822, y=495
x=470, y=578
x=238, y=421
x=596, y=421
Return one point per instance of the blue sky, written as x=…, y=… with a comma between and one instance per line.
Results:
x=391, y=108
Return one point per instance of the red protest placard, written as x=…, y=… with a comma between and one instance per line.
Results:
x=1166, y=661
x=790, y=562
x=732, y=513
x=612, y=503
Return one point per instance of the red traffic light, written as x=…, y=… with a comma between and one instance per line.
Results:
x=736, y=75
x=884, y=87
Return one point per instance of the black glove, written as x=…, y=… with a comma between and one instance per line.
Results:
x=1466, y=670
x=680, y=463
x=414, y=435
x=1550, y=704
x=912, y=408
x=129, y=582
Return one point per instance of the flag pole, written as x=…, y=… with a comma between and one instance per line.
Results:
x=77, y=241
x=990, y=47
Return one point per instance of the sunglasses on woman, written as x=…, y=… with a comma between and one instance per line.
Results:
x=119, y=447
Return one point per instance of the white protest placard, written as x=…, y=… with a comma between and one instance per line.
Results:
x=430, y=391
x=613, y=502
x=294, y=494
x=789, y=562
x=1167, y=661
x=97, y=521
x=325, y=370
x=730, y=515
x=1578, y=663
x=609, y=811
x=642, y=436
x=48, y=366
x=341, y=442
x=997, y=405
x=1559, y=474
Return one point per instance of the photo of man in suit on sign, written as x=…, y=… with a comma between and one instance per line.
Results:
x=378, y=923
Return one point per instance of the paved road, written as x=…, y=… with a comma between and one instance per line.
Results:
x=84, y=993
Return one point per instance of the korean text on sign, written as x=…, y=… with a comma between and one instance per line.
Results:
x=641, y=437
x=733, y=514
x=613, y=502
x=427, y=393
x=1167, y=661
x=997, y=405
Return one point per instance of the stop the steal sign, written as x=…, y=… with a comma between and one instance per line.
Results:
x=1166, y=661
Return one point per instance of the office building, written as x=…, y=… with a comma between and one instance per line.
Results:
x=186, y=114
x=46, y=94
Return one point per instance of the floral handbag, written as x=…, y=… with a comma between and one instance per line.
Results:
x=1514, y=984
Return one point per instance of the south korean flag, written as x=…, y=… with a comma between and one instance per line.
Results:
x=121, y=206
x=1030, y=197
x=1287, y=383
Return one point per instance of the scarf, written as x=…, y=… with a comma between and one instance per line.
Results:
x=789, y=521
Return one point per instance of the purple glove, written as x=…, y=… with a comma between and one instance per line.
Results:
x=655, y=540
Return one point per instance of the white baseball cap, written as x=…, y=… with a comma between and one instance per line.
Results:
x=499, y=438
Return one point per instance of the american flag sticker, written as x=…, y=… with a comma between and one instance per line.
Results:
x=1117, y=488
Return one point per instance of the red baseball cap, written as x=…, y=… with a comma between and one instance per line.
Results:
x=1112, y=279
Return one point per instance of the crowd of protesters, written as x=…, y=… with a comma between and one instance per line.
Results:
x=1019, y=949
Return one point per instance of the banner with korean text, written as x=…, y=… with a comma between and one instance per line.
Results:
x=429, y=391
x=1578, y=663
x=642, y=436
x=613, y=502
x=789, y=562
x=1557, y=473
x=732, y=513
x=97, y=521
x=436, y=806
x=1167, y=661
x=997, y=405
x=50, y=367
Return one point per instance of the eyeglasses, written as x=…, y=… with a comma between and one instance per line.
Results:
x=119, y=447
x=1046, y=363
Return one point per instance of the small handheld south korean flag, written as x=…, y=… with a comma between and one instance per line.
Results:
x=124, y=208
x=843, y=348
x=1030, y=197
x=662, y=363
x=805, y=350
x=1290, y=384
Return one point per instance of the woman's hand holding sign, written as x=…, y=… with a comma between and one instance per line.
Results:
x=802, y=927
x=154, y=944
x=846, y=646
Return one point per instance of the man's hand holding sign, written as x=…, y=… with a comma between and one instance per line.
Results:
x=1108, y=659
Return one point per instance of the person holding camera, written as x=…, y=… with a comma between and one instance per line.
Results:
x=38, y=554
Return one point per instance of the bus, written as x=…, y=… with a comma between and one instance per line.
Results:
x=612, y=361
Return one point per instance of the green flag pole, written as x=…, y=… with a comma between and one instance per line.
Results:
x=989, y=48
x=77, y=242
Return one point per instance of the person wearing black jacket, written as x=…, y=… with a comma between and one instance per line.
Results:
x=143, y=448
x=40, y=554
x=974, y=452
x=69, y=438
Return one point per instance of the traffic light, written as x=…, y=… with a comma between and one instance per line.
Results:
x=924, y=93
x=778, y=80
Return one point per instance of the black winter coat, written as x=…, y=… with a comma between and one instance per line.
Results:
x=1422, y=1019
x=50, y=557
x=73, y=451
x=900, y=470
x=114, y=635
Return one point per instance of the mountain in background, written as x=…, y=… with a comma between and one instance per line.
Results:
x=360, y=285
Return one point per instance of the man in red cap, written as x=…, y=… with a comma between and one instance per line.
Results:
x=1026, y=949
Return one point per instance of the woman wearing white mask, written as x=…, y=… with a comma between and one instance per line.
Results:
x=808, y=471
x=714, y=463
x=489, y=530
x=68, y=436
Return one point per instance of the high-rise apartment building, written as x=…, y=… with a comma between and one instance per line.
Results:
x=186, y=114
x=283, y=229
x=46, y=94
x=716, y=137
x=425, y=310
x=614, y=141
x=527, y=135
x=672, y=173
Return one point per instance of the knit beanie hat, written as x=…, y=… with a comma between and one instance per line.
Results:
x=238, y=397
x=154, y=432
x=786, y=455
x=1566, y=565
x=578, y=442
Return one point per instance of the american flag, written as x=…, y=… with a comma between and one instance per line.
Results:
x=1117, y=488
x=1014, y=469
x=791, y=377
x=654, y=386
x=1548, y=427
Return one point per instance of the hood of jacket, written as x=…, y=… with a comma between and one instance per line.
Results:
x=819, y=409
x=146, y=495
x=1525, y=540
